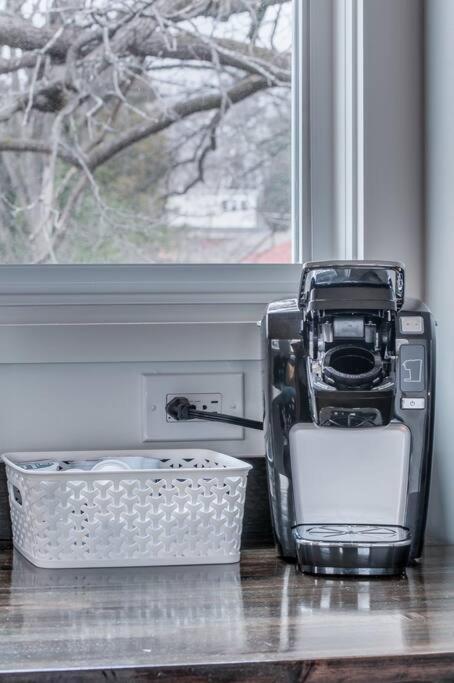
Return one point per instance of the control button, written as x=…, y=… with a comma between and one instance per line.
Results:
x=412, y=368
x=413, y=403
x=412, y=324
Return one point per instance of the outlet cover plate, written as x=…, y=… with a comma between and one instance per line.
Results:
x=157, y=387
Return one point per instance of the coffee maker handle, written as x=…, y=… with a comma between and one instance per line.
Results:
x=398, y=268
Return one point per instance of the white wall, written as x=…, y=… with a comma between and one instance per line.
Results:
x=74, y=346
x=440, y=249
x=393, y=134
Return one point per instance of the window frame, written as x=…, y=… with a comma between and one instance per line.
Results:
x=328, y=212
x=328, y=130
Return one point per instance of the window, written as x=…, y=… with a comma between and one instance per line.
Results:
x=146, y=132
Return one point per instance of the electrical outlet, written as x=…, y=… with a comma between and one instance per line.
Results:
x=202, y=389
x=208, y=403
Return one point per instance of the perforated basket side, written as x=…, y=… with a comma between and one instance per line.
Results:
x=171, y=516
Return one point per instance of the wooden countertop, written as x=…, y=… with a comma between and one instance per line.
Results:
x=258, y=621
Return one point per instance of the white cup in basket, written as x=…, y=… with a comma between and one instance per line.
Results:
x=110, y=465
x=123, y=464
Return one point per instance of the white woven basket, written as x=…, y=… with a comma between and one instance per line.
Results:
x=190, y=511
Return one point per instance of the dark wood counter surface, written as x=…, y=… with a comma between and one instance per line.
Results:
x=258, y=621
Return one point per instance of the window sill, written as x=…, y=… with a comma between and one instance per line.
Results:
x=142, y=284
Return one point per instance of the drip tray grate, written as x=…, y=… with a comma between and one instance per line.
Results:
x=352, y=549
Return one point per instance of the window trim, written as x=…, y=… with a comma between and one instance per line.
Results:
x=195, y=283
x=328, y=130
x=301, y=185
x=64, y=284
x=327, y=185
x=349, y=19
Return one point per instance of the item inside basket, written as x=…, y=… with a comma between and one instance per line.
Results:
x=98, y=464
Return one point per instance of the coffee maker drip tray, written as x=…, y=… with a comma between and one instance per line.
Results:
x=352, y=549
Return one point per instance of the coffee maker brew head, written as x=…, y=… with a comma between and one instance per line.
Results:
x=348, y=314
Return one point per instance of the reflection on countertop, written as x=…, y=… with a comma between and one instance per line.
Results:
x=260, y=612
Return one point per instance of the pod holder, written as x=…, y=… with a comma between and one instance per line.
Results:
x=348, y=366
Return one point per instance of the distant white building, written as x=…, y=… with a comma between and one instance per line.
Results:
x=223, y=210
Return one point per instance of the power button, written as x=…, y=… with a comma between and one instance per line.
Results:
x=413, y=403
x=411, y=324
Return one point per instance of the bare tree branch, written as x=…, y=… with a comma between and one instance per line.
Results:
x=52, y=97
x=161, y=121
x=18, y=33
x=208, y=144
x=35, y=147
x=27, y=61
x=221, y=10
x=143, y=40
x=238, y=92
x=189, y=47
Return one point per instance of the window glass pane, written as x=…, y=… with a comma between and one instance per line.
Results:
x=147, y=131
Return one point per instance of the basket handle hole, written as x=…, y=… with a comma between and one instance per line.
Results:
x=17, y=495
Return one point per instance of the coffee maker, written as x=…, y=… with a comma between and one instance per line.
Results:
x=349, y=403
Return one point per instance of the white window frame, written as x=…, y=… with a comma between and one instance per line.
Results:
x=328, y=212
x=328, y=126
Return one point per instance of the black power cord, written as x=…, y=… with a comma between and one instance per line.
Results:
x=179, y=408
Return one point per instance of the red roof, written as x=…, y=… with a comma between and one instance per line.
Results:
x=280, y=253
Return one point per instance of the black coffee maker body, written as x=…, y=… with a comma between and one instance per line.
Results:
x=349, y=401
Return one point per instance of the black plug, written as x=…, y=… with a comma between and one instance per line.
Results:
x=178, y=408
